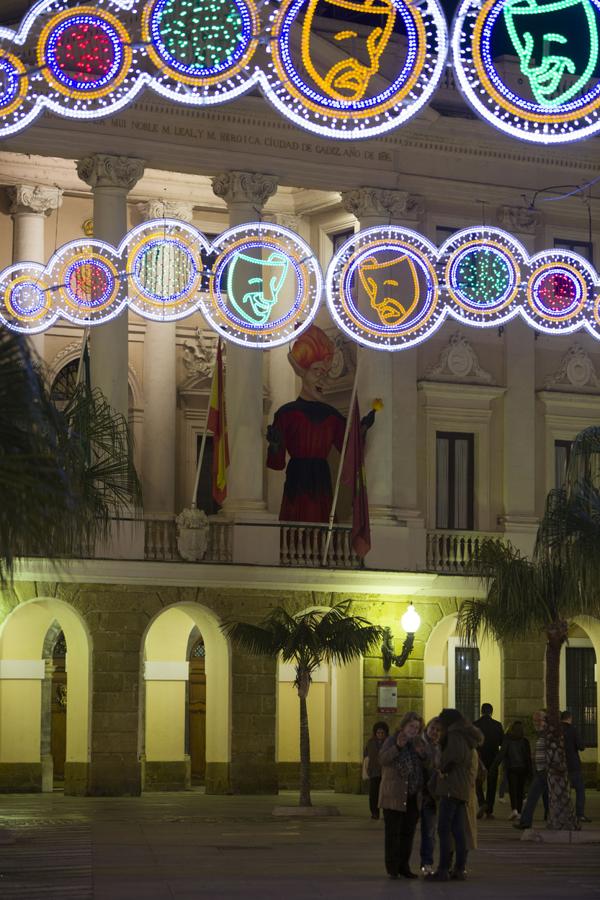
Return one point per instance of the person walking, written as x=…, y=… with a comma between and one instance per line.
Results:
x=455, y=786
x=539, y=782
x=573, y=746
x=373, y=766
x=493, y=735
x=401, y=759
x=515, y=756
x=431, y=765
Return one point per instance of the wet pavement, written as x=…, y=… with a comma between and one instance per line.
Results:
x=184, y=846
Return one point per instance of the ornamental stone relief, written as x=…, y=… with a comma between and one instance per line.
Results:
x=199, y=354
x=458, y=361
x=576, y=370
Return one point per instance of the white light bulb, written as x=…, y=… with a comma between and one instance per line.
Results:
x=411, y=620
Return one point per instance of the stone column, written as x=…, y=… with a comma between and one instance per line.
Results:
x=160, y=392
x=519, y=518
x=111, y=178
x=245, y=194
x=30, y=206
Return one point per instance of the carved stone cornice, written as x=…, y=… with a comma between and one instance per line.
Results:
x=33, y=198
x=366, y=201
x=252, y=188
x=519, y=219
x=286, y=220
x=576, y=371
x=101, y=171
x=165, y=209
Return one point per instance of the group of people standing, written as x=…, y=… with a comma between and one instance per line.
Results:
x=429, y=771
x=437, y=773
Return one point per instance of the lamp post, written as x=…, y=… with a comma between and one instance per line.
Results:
x=410, y=622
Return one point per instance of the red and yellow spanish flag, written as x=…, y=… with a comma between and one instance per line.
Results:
x=217, y=423
x=353, y=475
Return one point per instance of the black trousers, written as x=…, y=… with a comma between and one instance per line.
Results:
x=374, y=795
x=516, y=787
x=399, y=833
x=487, y=800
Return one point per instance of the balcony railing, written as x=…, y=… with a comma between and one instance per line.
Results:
x=160, y=541
x=304, y=546
x=450, y=552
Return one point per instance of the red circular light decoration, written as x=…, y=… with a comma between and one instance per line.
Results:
x=557, y=291
x=85, y=52
x=89, y=283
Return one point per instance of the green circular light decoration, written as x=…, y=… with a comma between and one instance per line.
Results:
x=482, y=276
x=200, y=35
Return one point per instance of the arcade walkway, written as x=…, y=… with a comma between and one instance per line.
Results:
x=184, y=846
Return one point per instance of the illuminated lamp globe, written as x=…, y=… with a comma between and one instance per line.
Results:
x=411, y=620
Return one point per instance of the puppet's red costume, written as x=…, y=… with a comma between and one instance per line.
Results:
x=306, y=430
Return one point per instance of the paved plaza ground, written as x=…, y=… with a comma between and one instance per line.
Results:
x=184, y=846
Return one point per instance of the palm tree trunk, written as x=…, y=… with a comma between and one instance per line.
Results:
x=561, y=815
x=303, y=683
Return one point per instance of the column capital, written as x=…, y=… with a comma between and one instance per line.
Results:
x=33, y=198
x=252, y=188
x=166, y=209
x=101, y=171
x=519, y=219
x=367, y=201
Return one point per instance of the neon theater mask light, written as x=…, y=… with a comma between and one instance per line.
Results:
x=530, y=67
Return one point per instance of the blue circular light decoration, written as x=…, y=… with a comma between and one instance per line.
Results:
x=157, y=248
x=25, y=300
x=343, y=96
x=560, y=99
x=89, y=283
x=159, y=29
x=10, y=80
x=557, y=292
x=89, y=45
x=89, y=288
x=382, y=288
x=264, y=287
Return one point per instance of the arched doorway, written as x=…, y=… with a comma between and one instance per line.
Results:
x=461, y=676
x=579, y=686
x=186, y=723
x=42, y=643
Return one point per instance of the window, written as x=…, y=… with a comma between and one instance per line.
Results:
x=562, y=456
x=582, y=696
x=583, y=248
x=443, y=232
x=455, y=472
x=467, y=690
x=340, y=237
x=204, y=497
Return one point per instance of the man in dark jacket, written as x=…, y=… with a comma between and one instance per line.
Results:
x=493, y=735
x=572, y=747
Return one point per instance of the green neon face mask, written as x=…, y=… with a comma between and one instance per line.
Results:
x=546, y=54
x=254, y=285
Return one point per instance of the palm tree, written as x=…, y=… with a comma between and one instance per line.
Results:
x=63, y=473
x=307, y=640
x=539, y=595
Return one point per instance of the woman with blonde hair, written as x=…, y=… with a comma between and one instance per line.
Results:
x=401, y=759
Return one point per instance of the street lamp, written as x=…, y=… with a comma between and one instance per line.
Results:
x=410, y=622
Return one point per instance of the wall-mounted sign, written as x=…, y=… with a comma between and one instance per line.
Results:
x=387, y=696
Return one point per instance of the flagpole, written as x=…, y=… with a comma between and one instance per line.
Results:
x=342, y=457
x=205, y=432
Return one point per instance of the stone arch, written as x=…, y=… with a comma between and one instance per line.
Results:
x=335, y=710
x=25, y=634
x=165, y=675
x=437, y=689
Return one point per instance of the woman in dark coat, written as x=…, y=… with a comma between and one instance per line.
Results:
x=455, y=788
x=515, y=756
x=401, y=782
x=374, y=745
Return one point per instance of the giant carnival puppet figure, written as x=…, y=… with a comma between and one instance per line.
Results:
x=306, y=429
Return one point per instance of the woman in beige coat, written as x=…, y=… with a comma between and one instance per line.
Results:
x=401, y=782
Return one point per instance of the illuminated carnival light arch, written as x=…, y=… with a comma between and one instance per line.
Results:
x=95, y=58
x=260, y=285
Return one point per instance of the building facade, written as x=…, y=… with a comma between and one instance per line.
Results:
x=115, y=676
